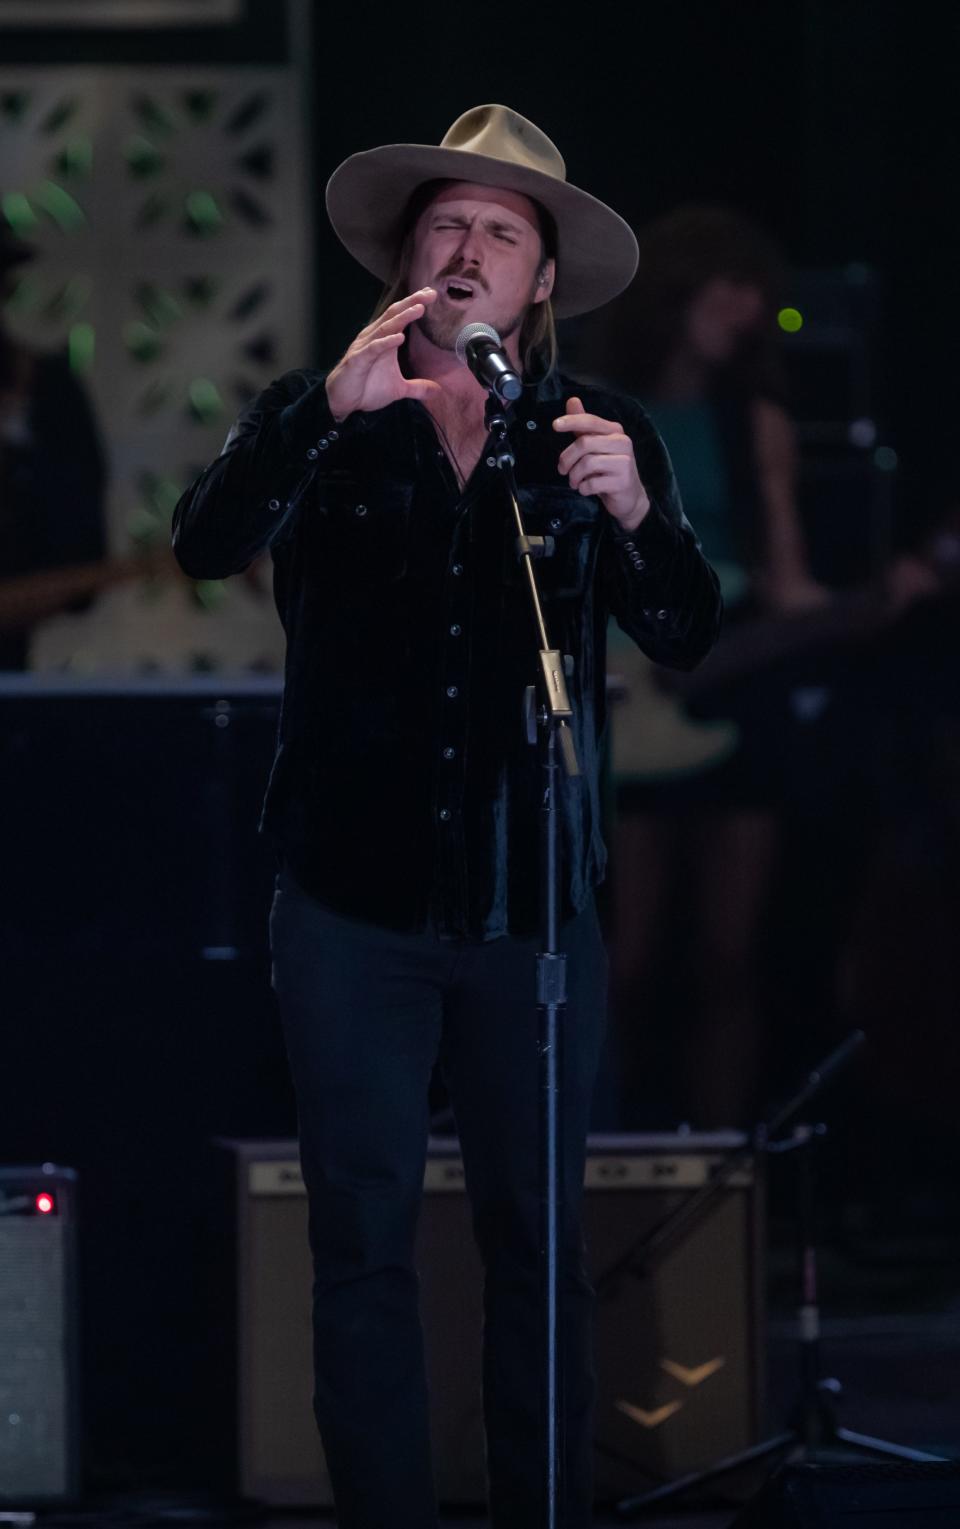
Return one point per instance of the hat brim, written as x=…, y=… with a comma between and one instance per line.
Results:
x=368, y=195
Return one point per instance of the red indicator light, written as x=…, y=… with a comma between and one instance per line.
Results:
x=44, y=1204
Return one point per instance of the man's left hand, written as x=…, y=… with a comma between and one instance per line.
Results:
x=601, y=461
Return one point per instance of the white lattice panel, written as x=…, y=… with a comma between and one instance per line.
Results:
x=117, y=13
x=169, y=211
x=230, y=338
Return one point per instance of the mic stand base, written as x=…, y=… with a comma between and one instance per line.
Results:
x=814, y=1434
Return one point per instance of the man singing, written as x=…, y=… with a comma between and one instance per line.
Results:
x=404, y=795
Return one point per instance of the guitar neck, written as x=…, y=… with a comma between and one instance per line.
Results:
x=29, y=597
x=756, y=643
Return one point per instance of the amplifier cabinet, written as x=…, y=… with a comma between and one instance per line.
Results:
x=39, y=1435
x=678, y=1342
x=678, y=1337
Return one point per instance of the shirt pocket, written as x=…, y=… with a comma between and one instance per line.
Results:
x=572, y=522
x=364, y=530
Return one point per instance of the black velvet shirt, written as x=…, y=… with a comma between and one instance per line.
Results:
x=404, y=792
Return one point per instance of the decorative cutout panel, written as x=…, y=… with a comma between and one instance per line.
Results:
x=117, y=13
x=168, y=211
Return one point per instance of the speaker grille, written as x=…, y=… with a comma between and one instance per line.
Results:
x=36, y=1374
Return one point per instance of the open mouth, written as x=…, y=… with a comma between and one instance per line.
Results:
x=460, y=291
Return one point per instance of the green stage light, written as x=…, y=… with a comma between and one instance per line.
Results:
x=80, y=347
x=18, y=212
x=142, y=341
x=76, y=158
x=74, y=296
x=790, y=320
x=26, y=297
x=210, y=594
x=205, y=401
x=143, y=157
x=61, y=206
x=203, y=213
x=160, y=306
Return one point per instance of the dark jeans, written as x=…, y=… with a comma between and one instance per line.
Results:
x=365, y=1014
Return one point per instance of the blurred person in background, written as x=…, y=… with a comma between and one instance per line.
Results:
x=694, y=339
x=705, y=793
x=52, y=482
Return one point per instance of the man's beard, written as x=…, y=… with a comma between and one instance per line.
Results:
x=442, y=328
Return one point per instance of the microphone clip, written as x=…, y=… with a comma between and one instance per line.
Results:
x=497, y=418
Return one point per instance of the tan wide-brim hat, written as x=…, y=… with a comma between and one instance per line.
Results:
x=368, y=195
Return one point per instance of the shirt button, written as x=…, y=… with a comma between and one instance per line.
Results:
x=531, y=424
x=455, y=630
x=323, y=443
x=333, y=435
x=444, y=814
x=628, y=546
x=662, y=615
x=491, y=461
x=274, y=505
x=639, y=564
x=452, y=692
x=449, y=753
x=360, y=509
x=556, y=523
x=457, y=570
x=312, y=454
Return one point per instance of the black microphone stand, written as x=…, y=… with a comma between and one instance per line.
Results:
x=547, y=717
x=812, y=1428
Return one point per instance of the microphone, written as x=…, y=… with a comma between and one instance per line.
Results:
x=479, y=347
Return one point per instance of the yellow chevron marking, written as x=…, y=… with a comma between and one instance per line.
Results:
x=649, y=1419
x=696, y=1376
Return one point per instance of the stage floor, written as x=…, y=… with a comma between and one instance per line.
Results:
x=674, y=1520
x=898, y=1365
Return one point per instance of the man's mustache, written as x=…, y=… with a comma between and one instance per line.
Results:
x=455, y=268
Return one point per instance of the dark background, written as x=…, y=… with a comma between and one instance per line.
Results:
x=836, y=127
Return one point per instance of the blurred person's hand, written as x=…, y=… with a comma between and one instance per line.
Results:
x=908, y=579
x=792, y=594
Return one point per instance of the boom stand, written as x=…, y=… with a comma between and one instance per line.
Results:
x=812, y=1426
x=547, y=717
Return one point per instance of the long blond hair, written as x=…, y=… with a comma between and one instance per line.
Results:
x=538, y=331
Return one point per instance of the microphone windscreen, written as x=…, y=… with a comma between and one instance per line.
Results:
x=473, y=332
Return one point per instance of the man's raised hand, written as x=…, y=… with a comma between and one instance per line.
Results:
x=601, y=461
x=368, y=375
